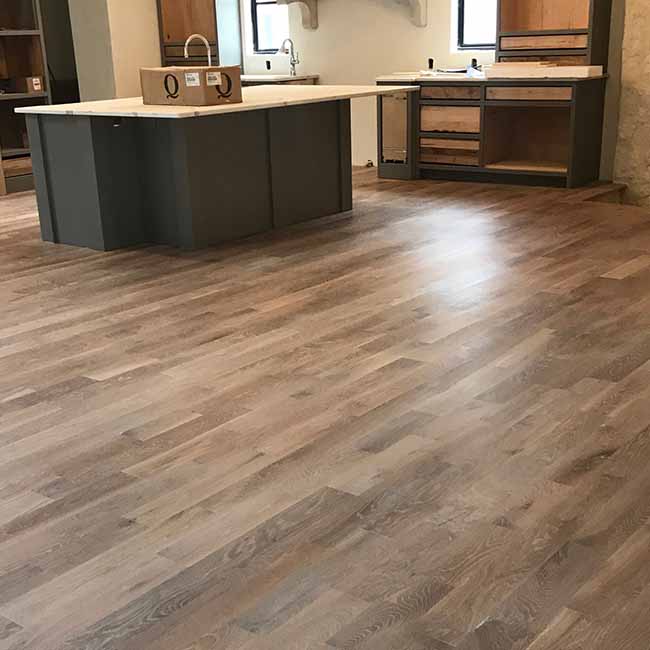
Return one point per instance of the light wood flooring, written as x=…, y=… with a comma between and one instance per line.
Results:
x=424, y=427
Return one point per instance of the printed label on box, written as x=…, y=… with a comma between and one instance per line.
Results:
x=36, y=82
x=214, y=78
x=192, y=79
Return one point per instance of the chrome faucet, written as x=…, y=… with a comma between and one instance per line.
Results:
x=200, y=37
x=291, y=50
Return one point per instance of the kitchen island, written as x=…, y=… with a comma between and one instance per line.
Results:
x=113, y=174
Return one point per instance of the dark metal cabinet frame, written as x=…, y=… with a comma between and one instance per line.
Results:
x=584, y=135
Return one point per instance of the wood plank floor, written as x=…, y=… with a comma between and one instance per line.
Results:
x=425, y=427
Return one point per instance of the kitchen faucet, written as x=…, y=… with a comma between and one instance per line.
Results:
x=291, y=50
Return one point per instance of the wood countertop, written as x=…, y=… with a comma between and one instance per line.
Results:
x=464, y=79
x=255, y=98
x=276, y=78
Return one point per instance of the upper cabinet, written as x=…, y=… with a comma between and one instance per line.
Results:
x=181, y=18
x=564, y=31
x=218, y=21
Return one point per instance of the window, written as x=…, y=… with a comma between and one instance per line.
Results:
x=270, y=25
x=477, y=24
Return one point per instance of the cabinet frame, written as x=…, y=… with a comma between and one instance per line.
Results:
x=585, y=111
x=598, y=32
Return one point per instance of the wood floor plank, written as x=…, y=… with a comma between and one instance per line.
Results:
x=424, y=425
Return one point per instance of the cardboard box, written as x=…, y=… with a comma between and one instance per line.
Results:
x=30, y=85
x=191, y=86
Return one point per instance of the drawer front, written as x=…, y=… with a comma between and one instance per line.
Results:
x=449, y=152
x=562, y=42
x=567, y=59
x=540, y=93
x=450, y=92
x=452, y=119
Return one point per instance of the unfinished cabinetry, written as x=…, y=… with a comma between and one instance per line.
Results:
x=535, y=132
x=179, y=19
x=531, y=139
x=23, y=81
x=564, y=31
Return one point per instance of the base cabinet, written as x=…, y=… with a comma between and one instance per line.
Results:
x=534, y=132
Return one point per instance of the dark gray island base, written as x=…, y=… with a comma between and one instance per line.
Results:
x=113, y=182
x=114, y=174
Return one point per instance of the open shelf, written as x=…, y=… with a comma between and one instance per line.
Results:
x=9, y=97
x=15, y=152
x=528, y=139
x=17, y=15
x=17, y=166
x=521, y=16
x=533, y=166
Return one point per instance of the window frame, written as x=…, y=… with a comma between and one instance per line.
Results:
x=256, y=37
x=461, y=33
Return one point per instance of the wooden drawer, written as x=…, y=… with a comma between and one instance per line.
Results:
x=559, y=42
x=452, y=119
x=450, y=92
x=538, y=93
x=449, y=152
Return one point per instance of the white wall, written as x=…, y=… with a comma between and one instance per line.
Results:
x=359, y=40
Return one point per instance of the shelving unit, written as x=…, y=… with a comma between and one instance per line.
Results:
x=524, y=138
x=22, y=56
x=569, y=32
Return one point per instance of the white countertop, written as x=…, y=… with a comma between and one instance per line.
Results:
x=276, y=78
x=255, y=98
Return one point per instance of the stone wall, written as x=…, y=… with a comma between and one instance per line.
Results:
x=632, y=164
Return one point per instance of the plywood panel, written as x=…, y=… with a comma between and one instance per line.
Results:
x=538, y=15
x=558, y=60
x=525, y=138
x=450, y=92
x=453, y=119
x=555, y=42
x=181, y=18
x=451, y=152
x=541, y=93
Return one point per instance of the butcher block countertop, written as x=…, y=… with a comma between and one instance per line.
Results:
x=255, y=98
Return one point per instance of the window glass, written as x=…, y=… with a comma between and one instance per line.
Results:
x=477, y=25
x=270, y=25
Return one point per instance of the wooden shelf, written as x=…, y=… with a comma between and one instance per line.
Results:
x=17, y=166
x=20, y=32
x=533, y=166
x=15, y=152
x=13, y=97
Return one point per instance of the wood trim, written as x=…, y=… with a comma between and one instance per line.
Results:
x=3, y=184
x=554, y=42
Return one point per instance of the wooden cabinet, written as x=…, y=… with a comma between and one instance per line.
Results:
x=23, y=81
x=574, y=32
x=178, y=20
x=536, y=132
